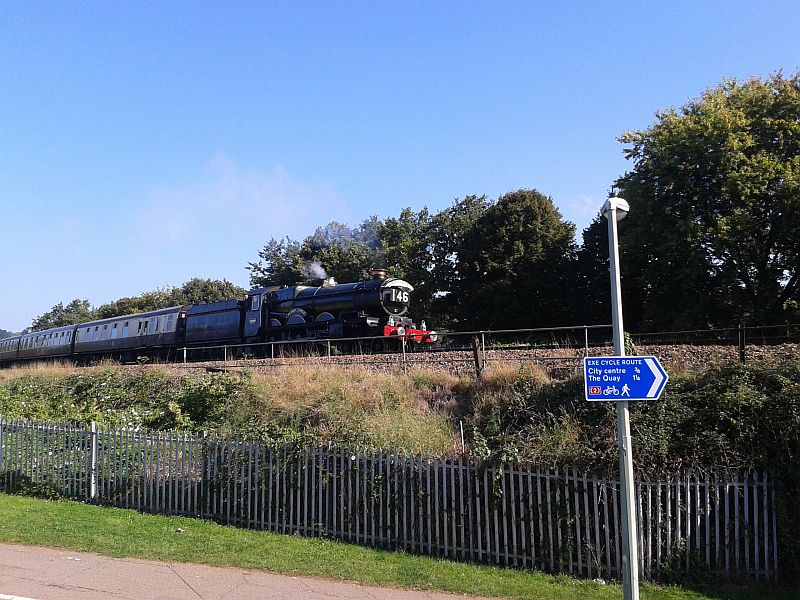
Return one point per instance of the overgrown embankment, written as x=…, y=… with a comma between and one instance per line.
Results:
x=726, y=417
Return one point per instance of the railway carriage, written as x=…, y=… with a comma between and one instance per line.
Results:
x=154, y=333
x=51, y=343
x=9, y=348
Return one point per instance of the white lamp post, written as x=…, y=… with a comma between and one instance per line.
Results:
x=614, y=210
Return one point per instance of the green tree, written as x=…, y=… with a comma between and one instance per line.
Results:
x=714, y=230
x=515, y=265
x=592, y=283
x=446, y=238
x=197, y=290
x=194, y=291
x=147, y=301
x=279, y=264
x=77, y=311
x=405, y=250
x=334, y=249
x=340, y=251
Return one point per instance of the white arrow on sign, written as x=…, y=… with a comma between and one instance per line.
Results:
x=658, y=377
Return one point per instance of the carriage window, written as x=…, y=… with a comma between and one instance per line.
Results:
x=152, y=329
x=114, y=332
x=254, y=302
x=158, y=324
x=125, y=329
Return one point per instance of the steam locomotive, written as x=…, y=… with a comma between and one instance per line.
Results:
x=375, y=311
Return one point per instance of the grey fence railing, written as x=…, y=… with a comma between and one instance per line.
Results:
x=554, y=520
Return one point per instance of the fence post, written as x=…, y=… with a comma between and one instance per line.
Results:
x=405, y=361
x=205, y=480
x=585, y=341
x=483, y=348
x=742, y=347
x=93, y=464
x=476, y=351
x=184, y=355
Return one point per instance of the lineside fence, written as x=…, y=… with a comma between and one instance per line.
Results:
x=556, y=520
x=557, y=349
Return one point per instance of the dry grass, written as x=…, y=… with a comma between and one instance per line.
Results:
x=356, y=404
x=503, y=375
x=54, y=370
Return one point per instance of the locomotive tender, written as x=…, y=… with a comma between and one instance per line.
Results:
x=375, y=309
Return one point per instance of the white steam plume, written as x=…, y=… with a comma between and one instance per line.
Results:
x=315, y=270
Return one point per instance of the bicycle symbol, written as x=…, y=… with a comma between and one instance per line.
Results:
x=611, y=390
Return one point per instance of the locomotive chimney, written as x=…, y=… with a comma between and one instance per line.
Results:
x=379, y=273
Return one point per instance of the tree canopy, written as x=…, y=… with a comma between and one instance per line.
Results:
x=347, y=252
x=476, y=263
x=77, y=311
x=514, y=264
x=713, y=236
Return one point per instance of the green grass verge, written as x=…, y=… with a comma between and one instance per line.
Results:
x=118, y=532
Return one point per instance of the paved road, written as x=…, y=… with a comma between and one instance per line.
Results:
x=36, y=573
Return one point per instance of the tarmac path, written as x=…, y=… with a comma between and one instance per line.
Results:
x=38, y=573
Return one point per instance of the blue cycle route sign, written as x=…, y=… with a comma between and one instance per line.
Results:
x=623, y=378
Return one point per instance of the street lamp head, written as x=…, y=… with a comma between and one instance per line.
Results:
x=618, y=206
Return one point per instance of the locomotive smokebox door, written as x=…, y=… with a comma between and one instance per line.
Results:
x=396, y=296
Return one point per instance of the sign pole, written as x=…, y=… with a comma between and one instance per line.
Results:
x=630, y=551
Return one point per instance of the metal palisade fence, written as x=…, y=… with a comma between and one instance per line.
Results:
x=556, y=520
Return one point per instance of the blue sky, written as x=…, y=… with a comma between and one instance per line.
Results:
x=145, y=143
